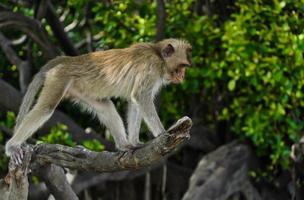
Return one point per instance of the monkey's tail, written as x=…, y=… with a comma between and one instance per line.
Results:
x=29, y=97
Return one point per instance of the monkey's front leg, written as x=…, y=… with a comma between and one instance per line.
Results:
x=134, y=121
x=148, y=111
x=108, y=115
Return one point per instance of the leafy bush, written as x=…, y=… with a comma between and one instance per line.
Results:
x=253, y=64
x=93, y=145
x=58, y=135
x=263, y=69
x=247, y=70
x=9, y=120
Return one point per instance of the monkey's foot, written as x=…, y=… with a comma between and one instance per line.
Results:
x=124, y=147
x=131, y=147
x=136, y=145
x=16, y=153
x=135, y=142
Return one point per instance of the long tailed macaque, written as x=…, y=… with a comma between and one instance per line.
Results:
x=135, y=73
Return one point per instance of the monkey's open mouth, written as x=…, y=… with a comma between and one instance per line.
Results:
x=178, y=75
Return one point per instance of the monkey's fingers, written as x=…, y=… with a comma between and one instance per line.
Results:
x=17, y=156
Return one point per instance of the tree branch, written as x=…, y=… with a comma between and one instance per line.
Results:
x=58, y=30
x=79, y=158
x=23, y=66
x=30, y=27
x=161, y=20
x=82, y=159
x=55, y=180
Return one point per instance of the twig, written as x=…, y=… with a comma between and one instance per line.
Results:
x=161, y=20
x=58, y=30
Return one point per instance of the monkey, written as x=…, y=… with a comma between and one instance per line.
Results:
x=135, y=73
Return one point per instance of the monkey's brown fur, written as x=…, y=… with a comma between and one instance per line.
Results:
x=135, y=73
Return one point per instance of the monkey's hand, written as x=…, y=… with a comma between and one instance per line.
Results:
x=15, y=152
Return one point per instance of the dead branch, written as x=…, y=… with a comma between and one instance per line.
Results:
x=47, y=156
x=82, y=159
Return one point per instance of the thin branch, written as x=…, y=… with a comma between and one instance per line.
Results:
x=147, y=192
x=164, y=182
x=4, y=7
x=177, y=177
x=55, y=180
x=58, y=30
x=22, y=66
x=82, y=43
x=30, y=27
x=40, y=9
x=199, y=6
x=9, y=51
x=19, y=40
x=88, y=28
x=161, y=20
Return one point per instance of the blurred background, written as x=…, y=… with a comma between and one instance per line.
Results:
x=244, y=92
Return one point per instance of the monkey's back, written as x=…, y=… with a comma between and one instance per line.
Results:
x=111, y=73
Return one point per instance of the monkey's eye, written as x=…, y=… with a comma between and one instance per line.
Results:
x=183, y=65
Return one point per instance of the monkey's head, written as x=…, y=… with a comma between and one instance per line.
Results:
x=176, y=54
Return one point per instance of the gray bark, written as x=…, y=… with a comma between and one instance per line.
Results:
x=47, y=156
x=82, y=159
x=32, y=28
x=221, y=174
x=55, y=180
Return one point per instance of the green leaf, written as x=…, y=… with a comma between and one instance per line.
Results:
x=231, y=85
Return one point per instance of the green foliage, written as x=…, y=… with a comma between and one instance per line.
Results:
x=35, y=180
x=263, y=67
x=58, y=135
x=122, y=23
x=93, y=145
x=253, y=63
x=247, y=70
x=9, y=121
x=3, y=162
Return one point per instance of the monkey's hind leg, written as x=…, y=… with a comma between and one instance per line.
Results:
x=50, y=96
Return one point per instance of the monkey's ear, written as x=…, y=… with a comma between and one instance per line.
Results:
x=167, y=51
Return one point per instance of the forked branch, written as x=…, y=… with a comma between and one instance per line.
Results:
x=82, y=159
